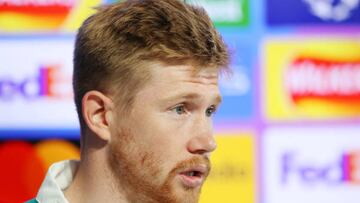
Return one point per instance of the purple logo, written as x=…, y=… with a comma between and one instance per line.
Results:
x=344, y=168
x=47, y=82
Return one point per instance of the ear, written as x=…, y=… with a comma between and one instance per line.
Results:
x=97, y=113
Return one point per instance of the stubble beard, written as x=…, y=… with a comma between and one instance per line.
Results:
x=135, y=174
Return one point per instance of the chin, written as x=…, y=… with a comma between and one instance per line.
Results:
x=184, y=194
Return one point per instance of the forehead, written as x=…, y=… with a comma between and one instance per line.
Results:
x=184, y=73
x=182, y=81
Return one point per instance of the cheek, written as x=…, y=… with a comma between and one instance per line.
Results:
x=161, y=145
x=158, y=131
x=160, y=137
x=161, y=150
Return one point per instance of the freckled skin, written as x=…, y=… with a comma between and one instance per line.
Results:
x=168, y=130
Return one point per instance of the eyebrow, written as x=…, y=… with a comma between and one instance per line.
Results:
x=217, y=99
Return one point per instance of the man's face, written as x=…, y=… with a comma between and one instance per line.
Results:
x=160, y=151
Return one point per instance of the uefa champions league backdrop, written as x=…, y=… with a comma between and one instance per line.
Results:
x=289, y=126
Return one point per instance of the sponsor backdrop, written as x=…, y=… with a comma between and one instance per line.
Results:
x=289, y=126
x=44, y=17
x=312, y=78
x=297, y=171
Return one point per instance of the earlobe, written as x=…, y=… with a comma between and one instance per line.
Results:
x=97, y=113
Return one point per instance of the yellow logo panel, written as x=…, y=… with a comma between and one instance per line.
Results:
x=232, y=177
x=312, y=78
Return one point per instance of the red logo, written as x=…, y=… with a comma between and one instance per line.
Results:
x=49, y=14
x=331, y=80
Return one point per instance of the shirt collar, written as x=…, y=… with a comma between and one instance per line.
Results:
x=58, y=178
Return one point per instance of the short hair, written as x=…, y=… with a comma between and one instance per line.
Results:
x=114, y=45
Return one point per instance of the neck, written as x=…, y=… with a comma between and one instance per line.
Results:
x=93, y=181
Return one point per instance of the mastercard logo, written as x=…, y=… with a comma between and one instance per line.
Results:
x=24, y=166
x=44, y=15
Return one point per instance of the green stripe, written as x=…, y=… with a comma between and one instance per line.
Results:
x=32, y=201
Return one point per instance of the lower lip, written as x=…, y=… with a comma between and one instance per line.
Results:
x=191, y=181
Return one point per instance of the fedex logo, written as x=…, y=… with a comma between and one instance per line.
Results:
x=47, y=82
x=344, y=169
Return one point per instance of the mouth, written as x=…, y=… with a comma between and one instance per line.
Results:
x=194, y=176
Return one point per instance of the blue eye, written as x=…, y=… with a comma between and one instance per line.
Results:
x=210, y=111
x=180, y=109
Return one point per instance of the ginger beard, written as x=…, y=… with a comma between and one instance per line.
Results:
x=138, y=174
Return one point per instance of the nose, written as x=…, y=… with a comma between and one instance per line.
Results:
x=202, y=142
